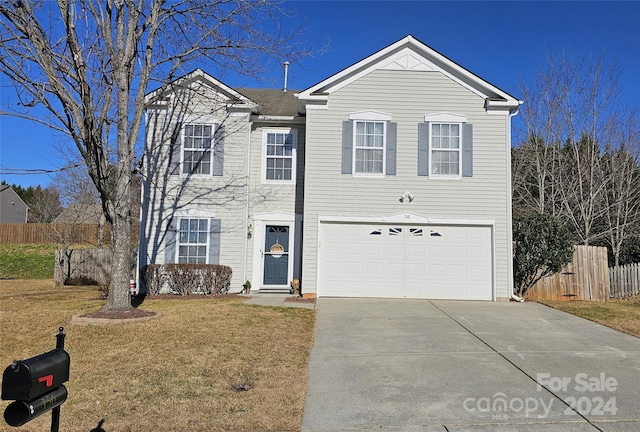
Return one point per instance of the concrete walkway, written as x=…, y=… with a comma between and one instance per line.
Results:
x=419, y=365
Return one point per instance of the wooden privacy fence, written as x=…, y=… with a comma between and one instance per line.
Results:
x=586, y=277
x=625, y=280
x=92, y=264
x=50, y=233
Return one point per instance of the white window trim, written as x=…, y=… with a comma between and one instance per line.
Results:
x=445, y=176
x=445, y=117
x=208, y=245
x=191, y=213
x=294, y=155
x=198, y=120
x=370, y=116
x=384, y=145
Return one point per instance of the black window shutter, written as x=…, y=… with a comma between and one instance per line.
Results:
x=218, y=152
x=347, y=147
x=423, y=149
x=467, y=150
x=392, y=148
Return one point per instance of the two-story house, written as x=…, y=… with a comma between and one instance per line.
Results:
x=390, y=178
x=12, y=208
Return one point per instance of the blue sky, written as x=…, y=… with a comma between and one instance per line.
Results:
x=503, y=42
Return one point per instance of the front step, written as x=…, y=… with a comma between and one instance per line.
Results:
x=268, y=291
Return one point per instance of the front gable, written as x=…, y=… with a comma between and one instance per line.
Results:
x=409, y=54
x=199, y=81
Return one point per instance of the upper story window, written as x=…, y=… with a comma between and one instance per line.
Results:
x=445, y=146
x=369, y=147
x=369, y=144
x=445, y=149
x=197, y=149
x=193, y=241
x=279, y=152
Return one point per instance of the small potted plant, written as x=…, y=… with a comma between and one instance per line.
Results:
x=295, y=287
x=247, y=287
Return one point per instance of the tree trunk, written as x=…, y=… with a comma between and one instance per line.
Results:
x=119, y=298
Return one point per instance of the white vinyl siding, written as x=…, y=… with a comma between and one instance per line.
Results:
x=200, y=194
x=407, y=96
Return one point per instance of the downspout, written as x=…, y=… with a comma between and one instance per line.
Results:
x=245, y=243
x=512, y=297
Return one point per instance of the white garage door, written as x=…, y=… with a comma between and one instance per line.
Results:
x=397, y=261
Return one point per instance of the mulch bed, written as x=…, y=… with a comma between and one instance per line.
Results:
x=300, y=300
x=139, y=313
x=130, y=314
x=187, y=297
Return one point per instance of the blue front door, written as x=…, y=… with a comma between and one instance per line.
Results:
x=276, y=255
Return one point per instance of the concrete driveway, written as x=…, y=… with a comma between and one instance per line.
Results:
x=420, y=365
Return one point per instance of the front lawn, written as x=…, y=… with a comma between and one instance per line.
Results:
x=207, y=364
x=623, y=315
x=26, y=261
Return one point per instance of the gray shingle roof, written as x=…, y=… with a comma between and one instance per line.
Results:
x=272, y=102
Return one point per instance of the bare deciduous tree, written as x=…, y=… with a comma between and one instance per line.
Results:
x=89, y=63
x=576, y=158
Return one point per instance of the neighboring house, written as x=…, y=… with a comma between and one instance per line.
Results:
x=390, y=178
x=81, y=214
x=12, y=208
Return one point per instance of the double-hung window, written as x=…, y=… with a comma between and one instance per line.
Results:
x=369, y=147
x=193, y=241
x=445, y=146
x=197, y=148
x=369, y=144
x=279, y=152
x=445, y=149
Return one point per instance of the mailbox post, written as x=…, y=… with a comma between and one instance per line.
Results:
x=35, y=384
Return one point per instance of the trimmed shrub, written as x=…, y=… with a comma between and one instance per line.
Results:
x=153, y=278
x=188, y=279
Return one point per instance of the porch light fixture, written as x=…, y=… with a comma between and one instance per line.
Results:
x=406, y=196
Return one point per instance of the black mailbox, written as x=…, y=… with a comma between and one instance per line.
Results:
x=27, y=379
x=36, y=386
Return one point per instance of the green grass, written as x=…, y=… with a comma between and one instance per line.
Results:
x=26, y=261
